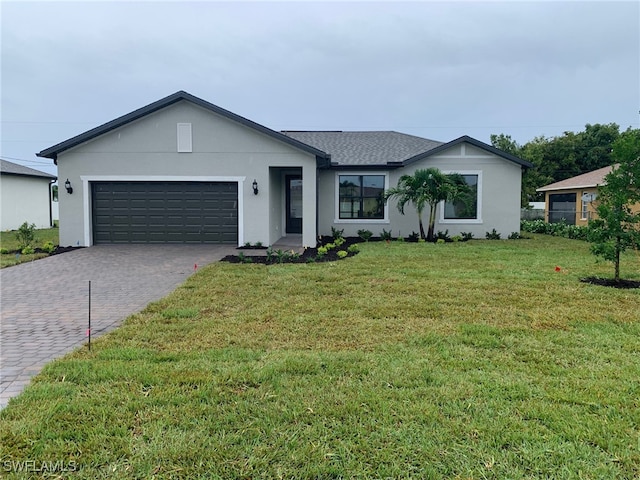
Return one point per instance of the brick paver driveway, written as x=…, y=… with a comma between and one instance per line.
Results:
x=44, y=304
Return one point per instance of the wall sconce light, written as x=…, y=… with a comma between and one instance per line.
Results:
x=255, y=187
x=68, y=186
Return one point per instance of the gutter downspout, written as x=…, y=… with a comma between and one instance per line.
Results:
x=51, y=182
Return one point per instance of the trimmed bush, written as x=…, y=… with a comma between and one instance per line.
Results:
x=365, y=234
x=560, y=229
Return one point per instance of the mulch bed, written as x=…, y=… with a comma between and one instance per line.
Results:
x=611, y=282
x=57, y=251
x=305, y=257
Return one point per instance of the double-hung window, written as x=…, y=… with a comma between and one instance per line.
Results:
x=585, y=206
x=467, y=208
x=360, y=197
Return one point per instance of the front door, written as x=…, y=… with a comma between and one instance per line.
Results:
x=294, y=204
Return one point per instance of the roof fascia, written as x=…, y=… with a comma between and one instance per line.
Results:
x=474, y=142
x=383, y=166
x=43, y=176
x=571, y=187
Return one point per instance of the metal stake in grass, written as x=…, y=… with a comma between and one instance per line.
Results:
x=89, y=329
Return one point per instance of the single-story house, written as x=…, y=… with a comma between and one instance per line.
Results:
x=185, y=170
x=572, y=200
x=25, y=196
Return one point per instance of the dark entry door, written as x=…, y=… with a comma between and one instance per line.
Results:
x=294, y=204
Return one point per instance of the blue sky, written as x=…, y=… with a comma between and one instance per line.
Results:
x=433, y=69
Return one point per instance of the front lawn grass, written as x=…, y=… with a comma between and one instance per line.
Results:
x=461, y=360
x=9, y=241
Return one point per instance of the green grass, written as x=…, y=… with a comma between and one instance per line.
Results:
x=9, y=241
x=466, y=360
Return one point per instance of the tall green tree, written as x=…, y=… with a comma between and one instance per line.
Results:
x=617, y=227
x=427, y=187
x=560, y=157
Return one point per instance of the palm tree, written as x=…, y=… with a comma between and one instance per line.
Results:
x=427, y=187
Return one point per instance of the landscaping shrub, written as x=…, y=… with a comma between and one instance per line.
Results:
x=386, y=235
x=28, y=250
x=466, y=236
x=365, y=234
x=337, y=233
x=492, y=235
x=414, y=237
x=443, y=236
x=342, y=254
x=48, y=247
x=243, y=258
x=26, y=235
x=559, y=229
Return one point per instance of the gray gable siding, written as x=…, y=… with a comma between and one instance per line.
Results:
x=52, y=152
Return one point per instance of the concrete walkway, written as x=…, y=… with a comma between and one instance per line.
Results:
x=44, y=304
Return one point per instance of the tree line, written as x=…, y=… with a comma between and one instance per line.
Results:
x=565, y=156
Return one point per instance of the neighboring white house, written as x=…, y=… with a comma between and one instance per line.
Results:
x=25, y=196
x=184, y=170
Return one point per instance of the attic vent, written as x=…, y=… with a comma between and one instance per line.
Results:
x=184, y=138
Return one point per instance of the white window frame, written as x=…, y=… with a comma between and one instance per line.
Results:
x=584, y=207
x=464, y=221
x=336, y=215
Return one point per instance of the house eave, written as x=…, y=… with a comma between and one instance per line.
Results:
x=380, y=166
x=571, y=187
x=476, y=143
x=43, y=177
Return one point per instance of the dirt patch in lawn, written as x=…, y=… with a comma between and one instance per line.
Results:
x=611, y=282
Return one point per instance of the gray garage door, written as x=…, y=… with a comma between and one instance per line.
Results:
x=165, y=212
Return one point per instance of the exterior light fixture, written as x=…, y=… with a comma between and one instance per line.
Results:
x=68, y=187
x=254, y=185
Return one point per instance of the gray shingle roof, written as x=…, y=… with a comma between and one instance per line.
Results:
x=389, y=149
x=366, y=148
x=586, y=180
x=10, y=168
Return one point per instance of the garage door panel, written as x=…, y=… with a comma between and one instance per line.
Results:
x=165, y=212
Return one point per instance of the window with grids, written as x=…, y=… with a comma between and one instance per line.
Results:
x=361, y=197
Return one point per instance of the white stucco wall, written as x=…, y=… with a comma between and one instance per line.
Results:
x=500, y=196
x=222, y=150
x=24, y=199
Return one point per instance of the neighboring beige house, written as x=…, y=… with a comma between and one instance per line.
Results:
x=184, y=170
x=574, y=199
x=25, y=196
